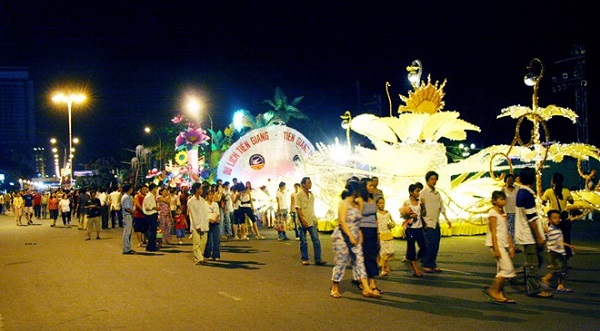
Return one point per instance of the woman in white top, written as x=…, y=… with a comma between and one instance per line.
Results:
x=64, y=206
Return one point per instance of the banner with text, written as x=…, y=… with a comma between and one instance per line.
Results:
x=265, y=153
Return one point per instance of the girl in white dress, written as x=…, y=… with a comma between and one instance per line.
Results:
x=500, y=243
x=386, y=239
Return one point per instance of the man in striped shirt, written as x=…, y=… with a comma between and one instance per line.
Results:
x=530, y=234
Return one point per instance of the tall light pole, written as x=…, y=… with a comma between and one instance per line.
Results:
x=69, y=99
x=149, y=130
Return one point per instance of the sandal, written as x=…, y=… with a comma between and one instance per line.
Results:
x=375, y=289
x=335, y=295
x=384, y=273
x=543, y=295
x=371, y=294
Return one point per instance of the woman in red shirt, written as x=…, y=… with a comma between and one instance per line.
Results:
x=53, y=208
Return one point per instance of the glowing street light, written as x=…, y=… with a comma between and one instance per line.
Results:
x=149, y=130
x=69, y=99
x=193, y=105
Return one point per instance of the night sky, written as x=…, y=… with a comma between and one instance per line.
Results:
x=138, y=58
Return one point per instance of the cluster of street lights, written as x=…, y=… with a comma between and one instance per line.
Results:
x=69, y=99
x=67, y=164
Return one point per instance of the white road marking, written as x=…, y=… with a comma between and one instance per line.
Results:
x=456, y=271
x=230, y=296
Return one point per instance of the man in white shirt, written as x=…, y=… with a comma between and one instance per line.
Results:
x=116, y=213
x=150, y=209
x=283, y=200
x=198, y=212
x=103, y=197
x=434, y=206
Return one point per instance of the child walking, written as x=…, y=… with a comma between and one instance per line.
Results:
x=180, y=225
x=413, y=211
x=386, y=239
x=557, y=254
x=503, y=249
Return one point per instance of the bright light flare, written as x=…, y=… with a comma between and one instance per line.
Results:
x=69, y=98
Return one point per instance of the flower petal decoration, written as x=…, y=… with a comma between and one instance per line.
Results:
x=177, y=119
x=546, y=113
x=180, y=140
x=181, y=158
x=369, y=125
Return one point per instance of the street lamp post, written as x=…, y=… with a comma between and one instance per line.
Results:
x=69, y=99
x=149, y=130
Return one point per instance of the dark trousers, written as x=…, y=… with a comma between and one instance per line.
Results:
x=415, y=236
x=370, y=251
x=37, y=211
x=565, y=226
x=212, y=249
x=432, y=241
x=104, y=215
x=152, y=221
x=116, y=216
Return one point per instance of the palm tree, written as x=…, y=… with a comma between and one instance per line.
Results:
x=282, y=112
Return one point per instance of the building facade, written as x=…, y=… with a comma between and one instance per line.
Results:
x=17, y=122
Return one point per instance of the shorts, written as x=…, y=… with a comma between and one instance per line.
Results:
x=28, y=210
x=139, y=224
x=180, y=233
x=558, y=263
x=94, y=223
x=504, y=265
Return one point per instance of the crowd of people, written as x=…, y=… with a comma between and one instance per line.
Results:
x=159, y=216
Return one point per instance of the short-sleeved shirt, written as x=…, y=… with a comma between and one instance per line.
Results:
x=283, y=199
x=115, y=200
x=306, y=204
x=65, y=205
x=126, y=204
x=501, y=230
x=511, y=199
x=554, y=202
x=554, y=240
x=28, y=200
x=37, y=199
x=526, y=206
x=94, y=211
x=433, y=206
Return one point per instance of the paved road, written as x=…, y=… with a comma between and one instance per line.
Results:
x=52, y=279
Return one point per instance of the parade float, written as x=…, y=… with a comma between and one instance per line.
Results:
x=404, y=147
x=408, y=145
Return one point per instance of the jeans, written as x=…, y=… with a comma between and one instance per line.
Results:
x=226, y=224
x=432, y=241
x=44, y=210
x=127, y=227
x=314, y=237
x=510, y=218
x=214, y=241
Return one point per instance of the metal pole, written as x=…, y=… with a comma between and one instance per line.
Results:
x=69, y=103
